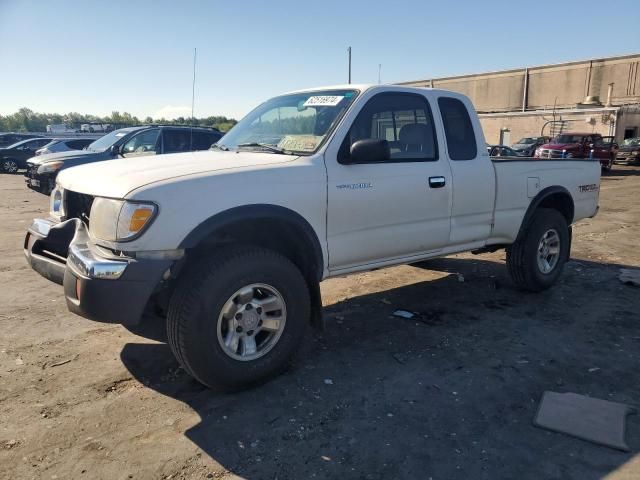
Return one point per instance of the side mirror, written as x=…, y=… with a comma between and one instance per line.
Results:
x=115, y=150
x=370, y=150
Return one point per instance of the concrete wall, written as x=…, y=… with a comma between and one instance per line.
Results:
x=565, y=84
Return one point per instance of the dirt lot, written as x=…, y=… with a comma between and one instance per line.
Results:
x=449, y=394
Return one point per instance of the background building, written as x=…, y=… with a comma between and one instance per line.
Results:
x=599, y=95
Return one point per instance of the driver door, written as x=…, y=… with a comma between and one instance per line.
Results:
x=395, y=208
x=144, y=143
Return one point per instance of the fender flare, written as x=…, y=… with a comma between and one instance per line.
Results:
x=538, y=199
x=255, y=212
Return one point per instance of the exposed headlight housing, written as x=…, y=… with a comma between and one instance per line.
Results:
x=56, y=203
x=119, y=220
x=50, y=167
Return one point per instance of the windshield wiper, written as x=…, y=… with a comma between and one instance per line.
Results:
x=222, y=147
x=266, y=146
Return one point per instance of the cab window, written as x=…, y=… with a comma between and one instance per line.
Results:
x=176, y=141
x=404, y=120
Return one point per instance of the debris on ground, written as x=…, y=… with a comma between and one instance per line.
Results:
x=403, y=314
x=328, y=381
x=592, y=419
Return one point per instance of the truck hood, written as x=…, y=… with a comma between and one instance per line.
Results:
x=561, y=146
x=116, y=178
x=629, y=148
x=68, y=155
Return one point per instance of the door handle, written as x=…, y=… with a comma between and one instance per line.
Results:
x=437, y=182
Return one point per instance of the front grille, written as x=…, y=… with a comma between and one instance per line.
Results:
x=78, y=205
x=623, y=154
x=32, y=170
x=550, y=153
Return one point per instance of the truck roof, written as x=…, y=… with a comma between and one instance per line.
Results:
x=366, y=86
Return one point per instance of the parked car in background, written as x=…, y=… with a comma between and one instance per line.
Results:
x=578, y=145
x=127, y=142
x=526, y=147
x=629, y=151
x=96, y=127
x=501, y=151
x=65, y=145
x=14, y=157
x=7, y=139
x=60, y=128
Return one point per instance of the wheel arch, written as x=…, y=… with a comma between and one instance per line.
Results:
x=555, y=197
x=287, y=232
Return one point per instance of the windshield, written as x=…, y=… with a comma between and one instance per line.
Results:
x=527, y=140
x=17, y=144
x=291, y=123
x=631, y=142
x=103, y=143
x=568, y=139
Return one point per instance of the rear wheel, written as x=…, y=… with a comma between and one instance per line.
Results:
x=237, y=318
x=9, y=166
x=535, y=261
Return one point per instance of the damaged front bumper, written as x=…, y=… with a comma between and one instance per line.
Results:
x=97, y=284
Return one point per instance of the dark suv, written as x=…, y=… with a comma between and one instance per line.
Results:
x=124, y=143
x=7, y=139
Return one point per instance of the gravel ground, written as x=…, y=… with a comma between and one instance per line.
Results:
x=448, y=394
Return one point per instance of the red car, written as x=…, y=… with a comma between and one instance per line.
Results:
x=579, y=145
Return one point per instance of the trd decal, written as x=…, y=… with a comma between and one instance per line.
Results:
x=593, y=187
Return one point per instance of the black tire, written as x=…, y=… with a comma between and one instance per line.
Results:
x=522, y=256
x=197, y=303
x=608, y=166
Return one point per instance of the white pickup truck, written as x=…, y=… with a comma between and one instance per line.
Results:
x=232, y=243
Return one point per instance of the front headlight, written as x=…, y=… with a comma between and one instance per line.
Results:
x=119, y=220
x=56, y=202
x=635, y=152
x=50, y=167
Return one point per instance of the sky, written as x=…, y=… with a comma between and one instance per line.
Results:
x=95, y=57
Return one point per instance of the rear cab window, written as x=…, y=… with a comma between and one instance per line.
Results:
x=458, y=129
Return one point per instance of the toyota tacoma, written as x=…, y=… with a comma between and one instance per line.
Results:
x=231, y=244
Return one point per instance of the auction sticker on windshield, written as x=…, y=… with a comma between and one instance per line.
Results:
x=323, y=101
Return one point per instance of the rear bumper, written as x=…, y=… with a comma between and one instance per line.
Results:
x=96, y=285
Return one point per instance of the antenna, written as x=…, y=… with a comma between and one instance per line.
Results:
x=349, y=52
x=379, y=69
x=193, y=94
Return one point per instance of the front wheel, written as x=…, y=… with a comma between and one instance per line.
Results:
x=608, y=166
x=237, y=318
x=535, y=261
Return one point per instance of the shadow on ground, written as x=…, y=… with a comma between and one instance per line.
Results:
x=449, y=394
